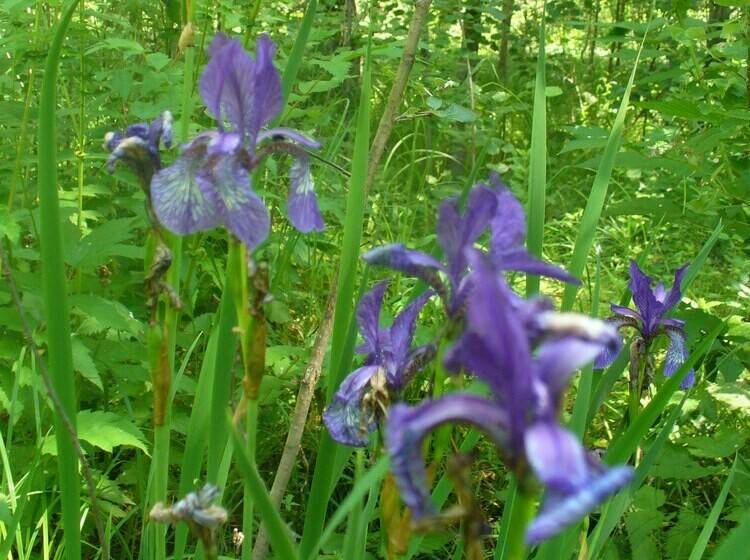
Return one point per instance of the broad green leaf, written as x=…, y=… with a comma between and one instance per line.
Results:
x=105, y=430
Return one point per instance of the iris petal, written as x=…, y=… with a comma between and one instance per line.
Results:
x=302, y=206
x=242, y=211
x=562, y=509
x=179, y=197
x=677, y=354
x=368, y=318
x=408, y=426
x=343, y=416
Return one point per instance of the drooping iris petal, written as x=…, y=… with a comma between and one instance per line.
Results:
x=241, y=210
x=368, y=318
x=575, y=482
x=558, y=359
x=626, y=312
x=562, y=509
x=556, y=456
x=677, y=354
x=408, y=426
x=407, y=261
x=343, y=417
x=609, y=353
x=134, y=152
x=179, y=197
x=302, y=205
x=519, y=260
x=288, y=134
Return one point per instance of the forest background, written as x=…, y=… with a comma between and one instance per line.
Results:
x=679, y=186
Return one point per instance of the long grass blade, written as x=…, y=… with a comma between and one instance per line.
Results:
x=708, y=528
x=369, y=481
x=278, y=532
x=537, y=164
x=55, y=293
x=321, y=485
x=298, y=50
x=597, y=196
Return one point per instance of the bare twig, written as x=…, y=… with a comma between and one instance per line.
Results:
x=299, y=418
x=56, y=402
x=385, y=126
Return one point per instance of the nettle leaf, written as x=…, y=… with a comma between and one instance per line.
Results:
x=675, y=463
x=100, y=314
x=279, y=358
x=126, y=46
x=735, y=395
x=723, y=443
x=103, y=243
x=456, y=113
x=644, y=522
x=83, y=363
x=682, y=536
x=105, y=430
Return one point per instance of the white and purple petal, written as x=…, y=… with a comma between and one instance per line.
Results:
x=343, y=417
x=407, y=427
x=677, y=354
x=179, y=197
x=302, y=205
x=241, y=210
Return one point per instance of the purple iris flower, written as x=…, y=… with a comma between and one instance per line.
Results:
x=526, y=372
x=649, y=320
x=138, y=147
x=364, y=395
x=209, y=183
x=487, y=207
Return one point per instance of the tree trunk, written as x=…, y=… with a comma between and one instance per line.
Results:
x=504, y=40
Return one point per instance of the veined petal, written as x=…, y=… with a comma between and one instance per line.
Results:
x=241, y=210
x=343, y=417
x=178, y=196
x=289, y=134
x=302, y=205
x=519, y=260
x=368, y=317
x=677, y=354
x=407, y=261
x=609, y=353
x=562, y=509
x=407, y=427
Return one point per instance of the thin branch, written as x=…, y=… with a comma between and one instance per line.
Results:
x=385, y=126
x=56, y=402
x=299, y=418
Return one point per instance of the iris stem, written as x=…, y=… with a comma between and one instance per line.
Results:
x=521, y=513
